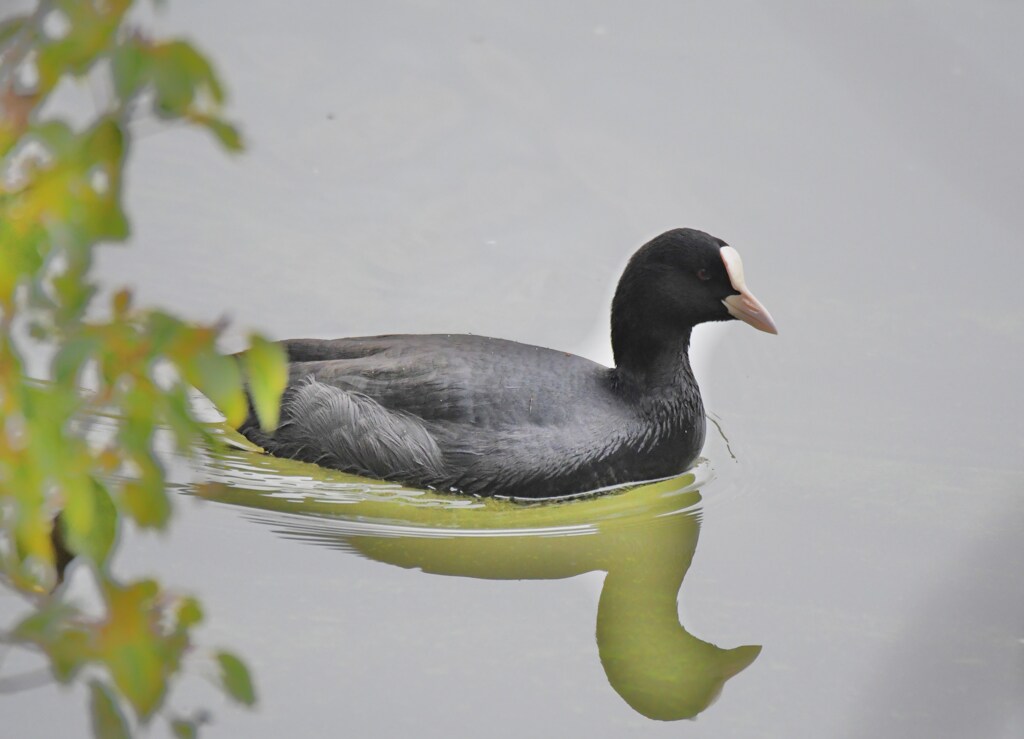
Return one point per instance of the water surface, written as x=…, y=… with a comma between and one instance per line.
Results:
x=423, y=166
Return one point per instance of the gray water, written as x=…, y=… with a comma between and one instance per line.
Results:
x=425, y=166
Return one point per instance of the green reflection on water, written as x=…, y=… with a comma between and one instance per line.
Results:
x=644, y=538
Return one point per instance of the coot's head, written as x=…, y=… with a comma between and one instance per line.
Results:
x=675, y=281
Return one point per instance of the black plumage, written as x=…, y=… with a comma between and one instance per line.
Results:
x=493, y=417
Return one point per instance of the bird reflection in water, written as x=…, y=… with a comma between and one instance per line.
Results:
x=644, y=538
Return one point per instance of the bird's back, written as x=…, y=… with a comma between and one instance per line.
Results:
x=469, y=413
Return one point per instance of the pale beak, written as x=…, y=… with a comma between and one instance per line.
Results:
x=744, y=306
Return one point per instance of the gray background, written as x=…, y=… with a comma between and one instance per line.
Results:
x=488, y=168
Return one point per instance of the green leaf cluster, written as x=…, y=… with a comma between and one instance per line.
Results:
x=64, y=491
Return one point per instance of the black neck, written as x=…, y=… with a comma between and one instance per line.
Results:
x=651, y=359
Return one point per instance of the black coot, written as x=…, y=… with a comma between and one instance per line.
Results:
x=493, y=417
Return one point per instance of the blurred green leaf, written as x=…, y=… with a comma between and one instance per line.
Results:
x=266, y=369
x=44, y=624
x=228, y=135
x=69, y=653
x=145, y=499
x=184, y=729
x=235, y=678
x=92, y=28
x=70, y=358
x=107, y=720
x=219, y=378
x=60, y=197
x=32, y=531
x=130, y=646
x=12, y=27
x=74, y=295
x=21, y=255
x=163, y=330
x=196, y=67
x=180, y=75
x=90, y=522
x=54, y=629
x=55, y=135
x=121, y=303
x=190, y=613
x=178, y=415
x=130, y=67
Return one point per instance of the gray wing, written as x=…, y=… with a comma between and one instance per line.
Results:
x=329, y=414
x=429, y=410
x=453, y=379
x=349, y=431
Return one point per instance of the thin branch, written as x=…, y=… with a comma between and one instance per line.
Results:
x=721, y=433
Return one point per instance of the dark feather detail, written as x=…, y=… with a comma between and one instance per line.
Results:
x=350, y=431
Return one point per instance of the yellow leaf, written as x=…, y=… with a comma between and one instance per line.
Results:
x=266, y=369
x=107, y=720
x=219, y=379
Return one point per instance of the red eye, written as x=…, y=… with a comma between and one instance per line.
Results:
x=703, y=274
